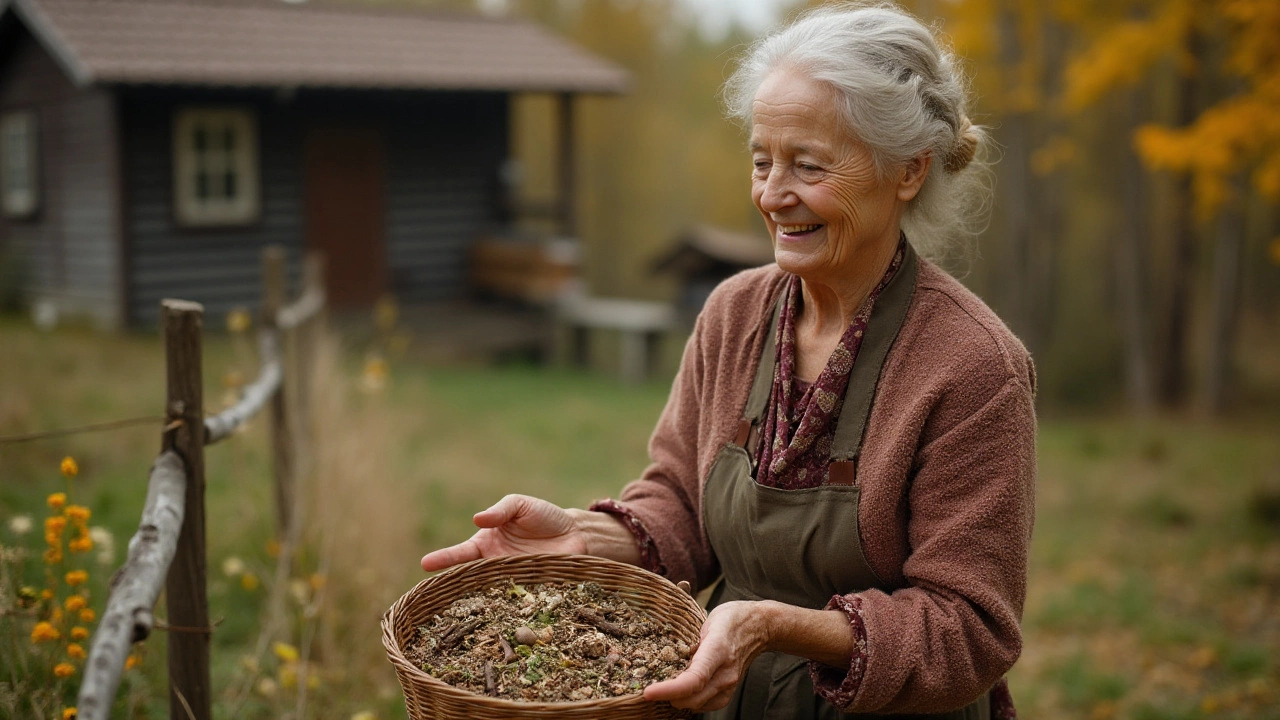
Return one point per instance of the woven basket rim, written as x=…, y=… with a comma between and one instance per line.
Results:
x=524, y=561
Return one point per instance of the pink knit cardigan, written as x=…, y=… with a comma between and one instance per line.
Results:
x=947, y=472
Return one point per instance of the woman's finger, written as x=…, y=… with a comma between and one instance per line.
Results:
x=502, y=512
x=450, y=556
x=682, y=686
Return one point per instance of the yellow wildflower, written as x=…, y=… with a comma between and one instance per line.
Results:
x=57, y=500
x=87, y=615
x=53, y=539
x=238, y=320
x=46, y=594
x=69, y=467
x=53, y=556
x=79, y=514
x=69, y=713
x=131, y=662
x=54, y=525
x=44, y=632
x=75, y=651
x=75, y=602
x=288, y=676
x=79, y=633
x=81, y=544
x=27, y=596
x=249, y=581
x=285, y=651
x=64, y=670
x=76, y=577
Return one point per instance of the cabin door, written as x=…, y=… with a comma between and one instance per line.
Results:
x=344, y=169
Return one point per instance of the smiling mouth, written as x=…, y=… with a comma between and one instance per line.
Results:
x=797, y=230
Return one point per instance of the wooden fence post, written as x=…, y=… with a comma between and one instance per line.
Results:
x=307, y=343
x=186, y=596
x=273, y=290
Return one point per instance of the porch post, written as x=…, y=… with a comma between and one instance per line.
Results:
x=568, y=218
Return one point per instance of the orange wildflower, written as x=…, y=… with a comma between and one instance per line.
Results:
x=81, y=544
x=75, y=651
x=79, y=514
x=52, y=556
x=44, y=632
x=79, y=633
x=57, y=500
x=75, y=602
x=131, y=662
x=54, y=525
x=76, y=577
x=64, y=670
x=69, y=467
x=88, y=615
x=69, y=713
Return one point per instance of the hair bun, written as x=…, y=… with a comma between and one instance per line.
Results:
x=967, y=138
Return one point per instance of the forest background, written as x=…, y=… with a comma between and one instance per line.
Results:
x=1133, y=240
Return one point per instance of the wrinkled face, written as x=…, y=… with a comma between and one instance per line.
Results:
x=815, y=185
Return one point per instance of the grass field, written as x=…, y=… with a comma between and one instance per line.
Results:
x=1154, y=588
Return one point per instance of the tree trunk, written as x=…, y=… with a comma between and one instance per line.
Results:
x=1224, y=301
x=1173, y=365
x=1131, y=258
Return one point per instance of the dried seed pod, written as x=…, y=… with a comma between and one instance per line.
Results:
x=525, y=635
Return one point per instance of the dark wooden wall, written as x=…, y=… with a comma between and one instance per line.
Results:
x=69, y=251
x=443, y=154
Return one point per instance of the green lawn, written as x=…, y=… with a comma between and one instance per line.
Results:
x=1154, y=589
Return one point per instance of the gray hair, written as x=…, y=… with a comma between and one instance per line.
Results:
x=901, y=95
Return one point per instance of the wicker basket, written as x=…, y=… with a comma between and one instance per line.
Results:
x=427, y=698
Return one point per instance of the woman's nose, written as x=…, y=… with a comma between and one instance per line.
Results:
x=776, y=192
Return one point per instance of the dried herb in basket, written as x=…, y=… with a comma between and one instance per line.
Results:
x=553, y=642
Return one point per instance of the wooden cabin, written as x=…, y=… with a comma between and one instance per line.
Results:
x=702, y=256
x=151, y=148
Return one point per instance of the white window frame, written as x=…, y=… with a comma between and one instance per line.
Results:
x=19, y=157
x=208, y=205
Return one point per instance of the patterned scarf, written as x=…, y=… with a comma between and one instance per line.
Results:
x=800, y=420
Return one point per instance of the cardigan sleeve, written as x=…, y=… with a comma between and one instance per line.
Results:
x=953, y=631
x=665, y=499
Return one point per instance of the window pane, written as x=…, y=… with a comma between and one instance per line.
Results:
x=199, y=140
x=229, y=184
x=202, y=186
x=229, y=140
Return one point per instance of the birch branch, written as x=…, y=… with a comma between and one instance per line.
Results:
x=135, y=587
x=301, y=310
x=255, y=396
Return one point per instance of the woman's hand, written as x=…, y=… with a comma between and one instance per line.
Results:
x=733, y=635
x=516, y=525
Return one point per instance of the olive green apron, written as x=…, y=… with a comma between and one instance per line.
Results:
x=801, y=547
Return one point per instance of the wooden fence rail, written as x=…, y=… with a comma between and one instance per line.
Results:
x=169, y=545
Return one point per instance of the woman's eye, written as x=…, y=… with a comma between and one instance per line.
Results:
x=807, y=168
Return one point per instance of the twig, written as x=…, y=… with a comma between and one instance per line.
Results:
x=488, y=679
x=451, y=638
x=613, y=629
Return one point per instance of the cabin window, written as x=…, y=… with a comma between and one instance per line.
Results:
x=215, y=167
x=18, y=181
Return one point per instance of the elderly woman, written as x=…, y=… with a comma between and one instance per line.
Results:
x=849, y=443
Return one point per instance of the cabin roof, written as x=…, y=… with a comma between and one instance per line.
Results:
x=274, y=43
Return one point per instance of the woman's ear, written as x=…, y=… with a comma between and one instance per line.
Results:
x=916, y=170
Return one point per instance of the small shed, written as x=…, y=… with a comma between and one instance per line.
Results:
x=151, y=148
x=703, y=256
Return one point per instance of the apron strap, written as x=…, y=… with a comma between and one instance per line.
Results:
x=882, y=329
x=759, y=398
